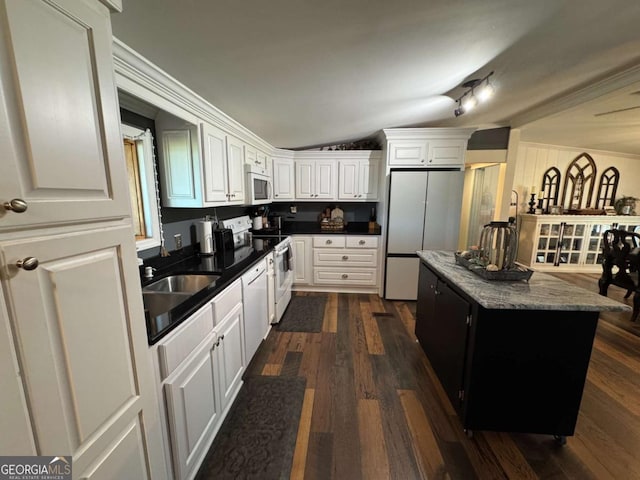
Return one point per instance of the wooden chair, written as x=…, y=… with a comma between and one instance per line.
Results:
x=621, y=249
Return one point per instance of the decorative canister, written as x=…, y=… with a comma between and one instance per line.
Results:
x=499, y=243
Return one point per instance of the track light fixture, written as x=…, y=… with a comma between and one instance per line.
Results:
x=469, y=99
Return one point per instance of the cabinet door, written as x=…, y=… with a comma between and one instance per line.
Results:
x=445, y=341
x=368, y=179
x=250, y=155
x=14, y=414
x=235, y=170
x=283, y=179
x=349, y=179
x=426, y=321
x=214, y=153
x=193, y=408
x=442, y=211
x=83, y=348
x=302, y=259
x=326, y=179
x=408, y=153
x=60, y=138
x=230, y=352
x=446, y=152
x=305, y=179
x=262, y=160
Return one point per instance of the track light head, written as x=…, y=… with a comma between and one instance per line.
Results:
x=458, y=111
x=469, y=99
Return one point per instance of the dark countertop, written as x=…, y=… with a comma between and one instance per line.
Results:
x=230, y=269
x=313, y=228
x=541, y=292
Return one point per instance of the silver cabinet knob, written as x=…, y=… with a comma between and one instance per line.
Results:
x=328, y=242
x=275, y=194
x=355, y=196
x=17, y=205
x=345, y=276
x=345, y=257
x=361, y=242
x=28, y=263
x=422, y=161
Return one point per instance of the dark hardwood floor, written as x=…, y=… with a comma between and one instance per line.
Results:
x=373, y=408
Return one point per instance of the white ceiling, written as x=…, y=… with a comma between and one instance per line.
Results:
x=305, y=72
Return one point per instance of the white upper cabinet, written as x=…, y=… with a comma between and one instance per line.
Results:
x=255, y=157
x=316, y=179
x=283, y=179
x=58, y=106
x=358, y=179
x=199, y=167
x=426, y=147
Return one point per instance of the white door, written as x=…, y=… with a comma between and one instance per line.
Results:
x=369, y=179
x=83, y=348
x=214, y=153
x=235, y=169
x=230, y=351
x=305, y=179
x=326, y=179
x=303, y=262
x=59, y=105
x=407, y=199
x=402, y=278
x=348, y=179
x=14, y=414
x=194, y=408
x=283, y=179
x=442, y=212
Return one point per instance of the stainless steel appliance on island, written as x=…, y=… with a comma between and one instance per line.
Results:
x=424, y=214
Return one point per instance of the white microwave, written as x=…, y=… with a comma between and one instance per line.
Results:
x=258, y=186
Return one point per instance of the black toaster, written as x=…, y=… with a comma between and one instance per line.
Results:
x=223, y=238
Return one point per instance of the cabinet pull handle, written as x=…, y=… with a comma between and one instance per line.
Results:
x=328, y=242
x=422, y=161
x=221, y=337
x=28, y=263
x=361, y=242
x=355, y=196
x=437, y=292
x=17, y=205
x=345, y=276
x=430, y=160
x=345, y=257
x=275, y=194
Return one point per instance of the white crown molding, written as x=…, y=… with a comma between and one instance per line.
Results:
x=134, y=67
x=591, y=92
x=590, y=151
x=112, y=5
x=426, y=133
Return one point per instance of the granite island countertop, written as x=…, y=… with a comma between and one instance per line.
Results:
x=541, y=292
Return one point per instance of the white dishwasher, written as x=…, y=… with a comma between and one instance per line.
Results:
x=256, y=310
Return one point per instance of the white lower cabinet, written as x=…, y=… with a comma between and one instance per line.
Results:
x=199, y=391
x=302, y=260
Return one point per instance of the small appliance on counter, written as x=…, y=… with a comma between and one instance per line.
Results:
x=205, y=236
x=224, y=241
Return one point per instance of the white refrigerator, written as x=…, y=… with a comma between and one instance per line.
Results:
x=424, y=214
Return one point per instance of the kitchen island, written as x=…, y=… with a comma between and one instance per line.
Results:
x=511, y=356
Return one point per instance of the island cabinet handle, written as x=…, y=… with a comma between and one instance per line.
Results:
x=437, y=292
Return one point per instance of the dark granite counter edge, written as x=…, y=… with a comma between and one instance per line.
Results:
x=542, y=292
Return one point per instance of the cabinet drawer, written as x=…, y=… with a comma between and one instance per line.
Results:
x=227, y=300
x=179, y=346
x=343, y=257
x=362, y=242
x=333, y=241
x=349, y=276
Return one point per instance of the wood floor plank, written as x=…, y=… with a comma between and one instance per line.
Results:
x=272, y=369
x=372, y=334
x=302, y=439
x=319, y=457
x=374, y=461
x=509, y=456
x=376, y=303
x=330, y=319
x=297, y=341
x=408, y=319
x=278, y=353
x=424, y=444
x=291, y=364
x=618, y=381
x=309, y=363
x=322, y=420
x=362, y=372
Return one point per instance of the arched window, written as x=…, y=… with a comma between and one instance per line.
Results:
x=550, y=188
x=578, y=183
x=607, y=187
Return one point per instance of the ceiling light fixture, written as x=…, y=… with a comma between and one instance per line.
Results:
x=469, y=99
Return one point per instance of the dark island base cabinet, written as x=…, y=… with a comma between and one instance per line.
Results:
x=505, y=370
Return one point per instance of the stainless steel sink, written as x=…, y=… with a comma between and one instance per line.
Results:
x=167, y=293
x=157, y=303
x=187, y=283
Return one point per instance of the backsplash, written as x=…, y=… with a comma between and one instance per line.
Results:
x=309, y=211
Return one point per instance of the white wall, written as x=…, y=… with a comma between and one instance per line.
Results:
x=534, y=159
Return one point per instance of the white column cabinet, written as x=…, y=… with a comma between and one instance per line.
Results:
x=76, y=315
x=59, y=106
